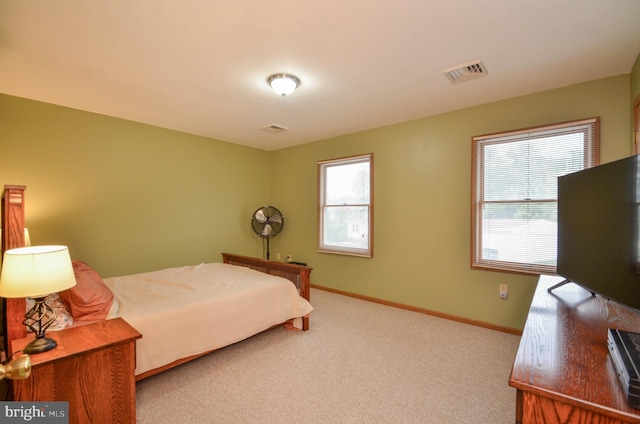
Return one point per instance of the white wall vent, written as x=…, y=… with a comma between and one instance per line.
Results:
x=274, y=129
x=466, y=71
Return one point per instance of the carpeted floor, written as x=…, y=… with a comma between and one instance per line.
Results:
x=360, y=362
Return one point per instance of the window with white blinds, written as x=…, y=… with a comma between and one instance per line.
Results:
x=514, y=192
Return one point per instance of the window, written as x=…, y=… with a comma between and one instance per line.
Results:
x=514, y=193
x=345, y=206
x=636, y=124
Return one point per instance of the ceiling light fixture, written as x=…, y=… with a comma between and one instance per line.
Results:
x=283, y=84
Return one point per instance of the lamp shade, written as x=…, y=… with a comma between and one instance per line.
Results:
x=36, y=271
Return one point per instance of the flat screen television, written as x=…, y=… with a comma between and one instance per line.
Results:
x=598, y=230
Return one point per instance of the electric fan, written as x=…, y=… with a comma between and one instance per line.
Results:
x=267, y=222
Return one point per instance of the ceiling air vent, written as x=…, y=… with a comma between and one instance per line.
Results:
x=274, y=129
x=466, y=71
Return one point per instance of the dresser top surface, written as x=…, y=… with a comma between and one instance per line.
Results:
x=563, y=351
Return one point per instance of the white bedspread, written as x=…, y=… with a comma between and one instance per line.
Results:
x=185, y=311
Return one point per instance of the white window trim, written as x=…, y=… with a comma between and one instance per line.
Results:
x=322, y=166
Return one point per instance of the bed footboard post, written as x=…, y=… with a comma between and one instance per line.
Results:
x=305, y=283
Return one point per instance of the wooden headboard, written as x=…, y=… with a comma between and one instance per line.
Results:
x=13, y=310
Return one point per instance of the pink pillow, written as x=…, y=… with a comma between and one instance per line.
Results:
x=90, y=299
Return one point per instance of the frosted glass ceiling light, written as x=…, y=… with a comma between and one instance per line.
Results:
x=283, y=84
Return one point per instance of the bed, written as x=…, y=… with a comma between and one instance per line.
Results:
x=183, y=312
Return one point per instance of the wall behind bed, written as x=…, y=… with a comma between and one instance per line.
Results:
x=128, y=197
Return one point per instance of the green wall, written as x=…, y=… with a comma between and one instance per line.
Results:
x=423, y=201
x=128, y=197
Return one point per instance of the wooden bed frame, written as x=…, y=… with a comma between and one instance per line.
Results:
x=13, y=310
x=298, y=275
x=12, y=222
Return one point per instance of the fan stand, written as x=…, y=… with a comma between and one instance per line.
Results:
x=267, y=222
x=268, y=247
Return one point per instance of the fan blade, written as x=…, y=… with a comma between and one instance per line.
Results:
x=260, y=217
x=276, y=218
x=266, y=231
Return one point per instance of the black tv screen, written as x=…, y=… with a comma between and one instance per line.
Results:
x=598, y=230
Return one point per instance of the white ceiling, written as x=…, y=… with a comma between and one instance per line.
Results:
x=200, y=66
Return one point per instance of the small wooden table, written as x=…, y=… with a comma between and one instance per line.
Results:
x=562, y=370
x=93, y=368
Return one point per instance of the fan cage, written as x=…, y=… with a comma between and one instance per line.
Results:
x=267, y=222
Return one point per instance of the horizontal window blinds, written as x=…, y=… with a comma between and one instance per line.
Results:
x=514, y=192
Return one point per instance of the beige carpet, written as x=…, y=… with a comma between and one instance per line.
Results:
x=359, y=363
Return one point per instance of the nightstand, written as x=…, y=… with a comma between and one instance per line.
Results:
x=93, y=368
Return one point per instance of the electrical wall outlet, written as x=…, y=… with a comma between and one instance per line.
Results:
x=504, y=291
x=278, y=256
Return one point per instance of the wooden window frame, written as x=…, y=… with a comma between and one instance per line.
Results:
x=636, y=125
x=482, y=260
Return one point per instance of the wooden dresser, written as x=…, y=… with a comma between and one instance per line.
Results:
x=562, y=371
x=93, y=368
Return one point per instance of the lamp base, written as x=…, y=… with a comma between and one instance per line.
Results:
x=39, y=345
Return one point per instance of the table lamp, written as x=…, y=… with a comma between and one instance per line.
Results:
x=36, y=272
